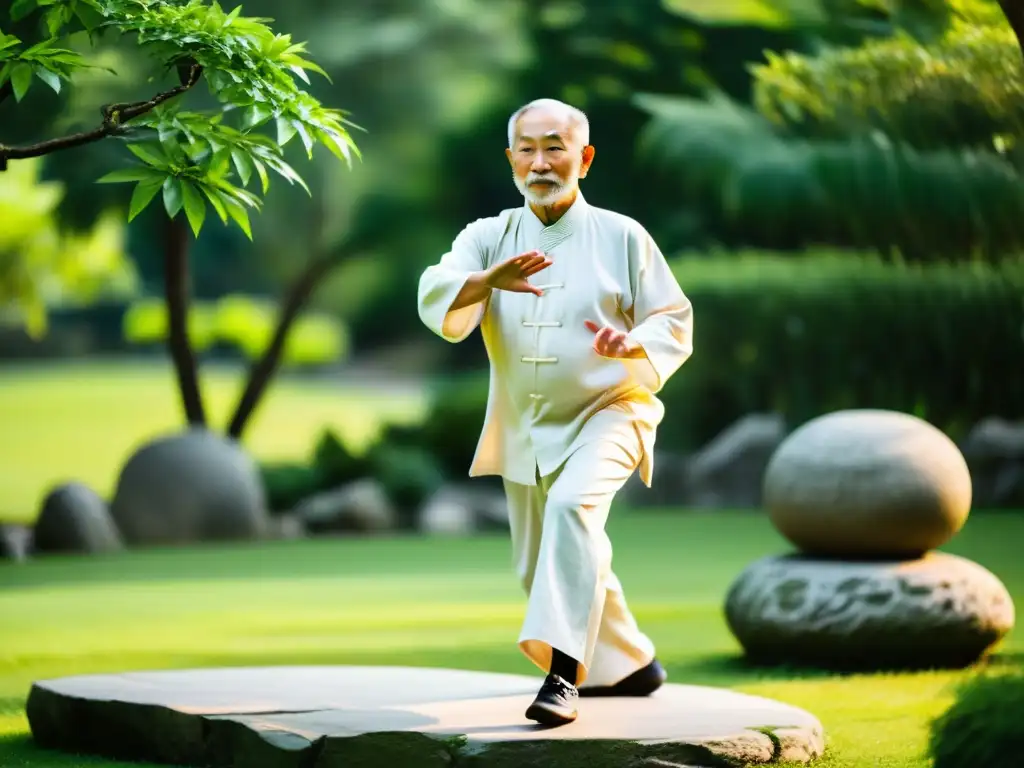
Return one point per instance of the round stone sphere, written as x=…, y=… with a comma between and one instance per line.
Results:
x=190, y=487
x=867, y=483
x=938, y=611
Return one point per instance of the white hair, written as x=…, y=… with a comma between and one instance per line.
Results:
x=580, y=123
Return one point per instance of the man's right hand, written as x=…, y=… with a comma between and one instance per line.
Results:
x=511, y=275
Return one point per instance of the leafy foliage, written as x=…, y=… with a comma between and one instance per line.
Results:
x=806, y=334
x=964, y=89
x=40, y=265
x=192, y=158
x=753, y=187
x=243, y=324
x=982, y=727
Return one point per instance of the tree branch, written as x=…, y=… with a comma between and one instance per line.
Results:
x=114, y=118
x=263, y=369
x=176, y=297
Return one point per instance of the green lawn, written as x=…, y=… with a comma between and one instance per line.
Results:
x=80, y=421
x=440, y=603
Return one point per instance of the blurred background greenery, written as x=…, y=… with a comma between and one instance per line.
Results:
x=836, y=183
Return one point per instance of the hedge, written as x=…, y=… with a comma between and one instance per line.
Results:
x=808, y=334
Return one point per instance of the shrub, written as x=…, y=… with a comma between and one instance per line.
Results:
x=408, y=472
x=806, y=335
x=409, y=476
x=983, y=726
x=451, y=429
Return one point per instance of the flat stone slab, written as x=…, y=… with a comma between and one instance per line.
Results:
x=402, y=717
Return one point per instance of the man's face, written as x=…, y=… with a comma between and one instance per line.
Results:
x=547, y=160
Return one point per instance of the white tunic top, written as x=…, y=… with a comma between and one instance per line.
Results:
x=549, y=390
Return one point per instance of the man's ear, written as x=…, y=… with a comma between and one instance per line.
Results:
x=588, y=158
x=508, y=154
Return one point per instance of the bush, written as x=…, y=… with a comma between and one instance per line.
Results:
x=451, y=429
x=983, y=727
x=806, y=335
x=408, y=472
x=244, y=325
x=409, y=476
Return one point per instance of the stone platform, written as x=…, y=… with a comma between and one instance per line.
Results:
x=393, y=717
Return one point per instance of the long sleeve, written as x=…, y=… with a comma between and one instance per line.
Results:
x=440, y=283
x=662, y=318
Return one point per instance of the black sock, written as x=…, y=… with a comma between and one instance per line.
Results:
x=563, y=666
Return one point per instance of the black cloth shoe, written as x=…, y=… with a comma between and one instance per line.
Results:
x=643, y=682
x=555, y=703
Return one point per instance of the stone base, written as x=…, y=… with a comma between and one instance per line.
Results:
x=938, y=611
x=402, y=717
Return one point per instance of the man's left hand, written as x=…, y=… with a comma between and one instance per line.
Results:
x=609, y=342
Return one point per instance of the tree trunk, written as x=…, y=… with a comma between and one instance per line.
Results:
x=263, y=369
x=1013, y=10
x=176, y=292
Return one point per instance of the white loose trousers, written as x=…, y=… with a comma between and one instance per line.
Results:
x=563, y=557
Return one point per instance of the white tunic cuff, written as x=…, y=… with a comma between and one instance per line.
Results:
x=438, y=290
x=664, y=354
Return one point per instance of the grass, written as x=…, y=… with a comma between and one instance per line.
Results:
x=430, y=602
x=81, y=421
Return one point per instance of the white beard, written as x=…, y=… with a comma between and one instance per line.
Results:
x=563, y=187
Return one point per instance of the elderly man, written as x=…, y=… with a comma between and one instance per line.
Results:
x=583, y=323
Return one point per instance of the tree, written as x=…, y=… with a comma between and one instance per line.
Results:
x=221, y=157
x=907, y=143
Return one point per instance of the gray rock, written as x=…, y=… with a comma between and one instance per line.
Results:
x=74, y=519
x=868, y=483
x=936, y=611
x=359, y=506
x=358, y=717
x=994, y=451
x=15, y=542
x=286, y=527
x=729, y=471
x=190, y=487
x=459, y=509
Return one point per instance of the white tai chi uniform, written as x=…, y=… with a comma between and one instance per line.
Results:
x=566, y=427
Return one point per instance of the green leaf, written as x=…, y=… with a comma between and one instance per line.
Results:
x=138, y=173
x=172, y=196
x=150, y=155
x=7, y=41
x=242, y=165
x=52, y=79
x=22, y=8
x=285, y=130
x=55, y=18
x=144, y=193
x=195, y=207
x=340, y=144
x=288, y=172
x=21, y=78
x=255, y=115
x=88, y=15
x=307, y=140
x=261, y=171
x=214, y=197
x=238, y=214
